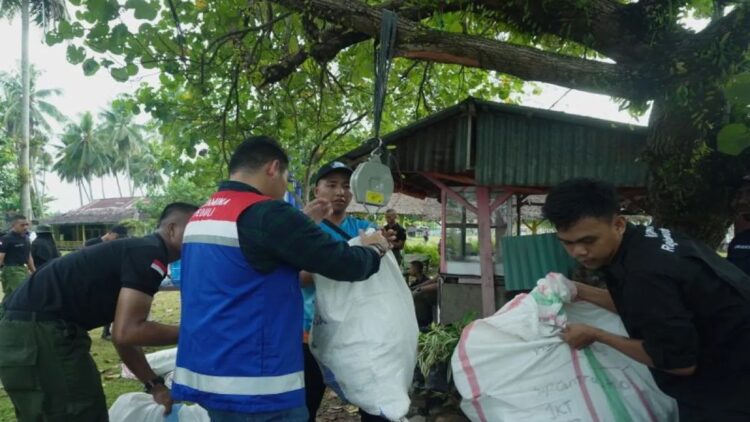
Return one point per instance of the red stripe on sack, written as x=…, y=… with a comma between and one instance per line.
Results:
x=642, y=398
x=582, y=385
x=512, y=304
x=470, y=373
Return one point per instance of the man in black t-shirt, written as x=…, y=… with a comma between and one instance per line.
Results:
x=43, y=248
x=686, y=309
x=392, y=225
x=15, y=254
x=117, y=232
x=45, y=365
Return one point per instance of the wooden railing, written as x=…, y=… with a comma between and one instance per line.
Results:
x=68, y=245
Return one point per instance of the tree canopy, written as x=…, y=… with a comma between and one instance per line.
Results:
x=302, y=70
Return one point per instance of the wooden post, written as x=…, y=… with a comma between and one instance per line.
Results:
x=450, y=192
x=485, y=251
x=443, y=206
x=519, y=204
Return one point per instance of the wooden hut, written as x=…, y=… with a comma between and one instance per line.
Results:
x=485, y=162
x=71, y=229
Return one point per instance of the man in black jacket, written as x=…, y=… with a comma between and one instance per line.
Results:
x=686, y=309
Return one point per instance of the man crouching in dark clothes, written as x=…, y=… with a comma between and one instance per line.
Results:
x=686, y=309
x=45, y=364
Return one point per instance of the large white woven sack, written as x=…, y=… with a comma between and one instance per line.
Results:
x=140, y=407
x=513, y=366
x=162, y=363
x=364, y=336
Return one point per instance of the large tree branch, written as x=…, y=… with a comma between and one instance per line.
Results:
x=523, y=62
x=418, y=42
x=721, y=46
x=332, y=41
x=605, y=26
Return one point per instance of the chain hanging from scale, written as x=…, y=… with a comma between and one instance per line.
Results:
x=372, y=182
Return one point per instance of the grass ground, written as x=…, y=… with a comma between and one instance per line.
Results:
x=166, y=309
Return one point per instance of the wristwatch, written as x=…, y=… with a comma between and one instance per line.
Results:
x=153, y=383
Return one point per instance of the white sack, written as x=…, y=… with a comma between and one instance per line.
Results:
x=513, y=366
x=140, y=407
x=162, y=363
x=365, y=338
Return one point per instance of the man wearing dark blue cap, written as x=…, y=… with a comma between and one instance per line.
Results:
x=331, y=190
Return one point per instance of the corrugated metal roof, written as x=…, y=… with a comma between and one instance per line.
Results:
x=526, y=259
x=100, y=211
x=437, y=147
x=510, y=145
x=536, y=149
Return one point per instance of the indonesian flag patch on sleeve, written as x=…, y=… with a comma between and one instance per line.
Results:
x=159, y=267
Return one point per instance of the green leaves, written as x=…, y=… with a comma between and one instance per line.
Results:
x=733, y=139
x=65, y=30
x=118, y=38
x=75, y=54
x=120, y=74
x=737, y=90
x=437, y=345
x=132, y=69
x=52, y=38
x=101, y=10
x=143, y=9
x=90, y=67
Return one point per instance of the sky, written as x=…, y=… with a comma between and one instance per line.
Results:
x=81, y=93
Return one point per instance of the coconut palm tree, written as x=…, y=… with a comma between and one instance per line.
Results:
x=43, y=11
x=41, y=110
x=41, y=113
x=124, y=136
x=82, y=155
x=144, y=168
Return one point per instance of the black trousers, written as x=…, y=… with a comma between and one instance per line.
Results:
x=315, y=389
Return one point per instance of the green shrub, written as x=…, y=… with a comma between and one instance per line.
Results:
x=437, y=345
x=429, y=249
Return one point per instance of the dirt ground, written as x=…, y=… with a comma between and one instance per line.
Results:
x=441, y=409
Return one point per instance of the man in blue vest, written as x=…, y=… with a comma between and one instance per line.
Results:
x=239, y=353
x=332, y=187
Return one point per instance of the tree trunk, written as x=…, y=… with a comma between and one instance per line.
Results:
x=32, y=168
x=117, y=180
x=101, y=183
x=25, y=104
x=691, y=186
x=131, y=186
x=44, y=184
x=80, y=192
x=90, y=191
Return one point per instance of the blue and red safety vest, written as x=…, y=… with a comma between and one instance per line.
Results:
x=237, y=350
